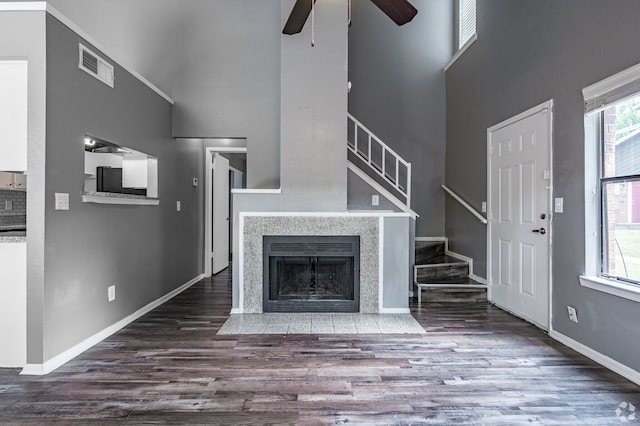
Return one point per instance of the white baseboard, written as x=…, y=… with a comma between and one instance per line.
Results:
x=431, y=239
x=66, y=356
x=235, y=311
x=395, y=311
x=596, y=356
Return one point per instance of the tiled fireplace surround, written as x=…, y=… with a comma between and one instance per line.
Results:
x=254, y=226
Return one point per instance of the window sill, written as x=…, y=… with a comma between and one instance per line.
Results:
x=616, y=288
x=114, y=198
x=460, y=51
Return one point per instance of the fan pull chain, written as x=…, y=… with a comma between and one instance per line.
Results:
x=313, y=23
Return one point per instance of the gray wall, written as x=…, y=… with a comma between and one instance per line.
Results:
x=360, y=193
x=146, y=251
x=228, y=83
x=313, y=111
x=527, y=52
x=398, y=93
x=397, y=269
x=22, y=35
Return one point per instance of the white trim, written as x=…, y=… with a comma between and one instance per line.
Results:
x=431, y=239
x=209, y=152
x=546, y=106
x=106, y=199
x=374, y=213
x=626, y=76
x=27, y=6
x=380, y=265
x=394, y=311
x=228, y=149
x=79, y=31
x=460, y=51
x=66, y=356
x=614, y=287
x=240, y=308
x=479, y=279
x=596, y=356
x=543, y=107
x=235, y=311
x=256, y=191
x=384, y=192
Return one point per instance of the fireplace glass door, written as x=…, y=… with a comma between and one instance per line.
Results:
x=310, y=275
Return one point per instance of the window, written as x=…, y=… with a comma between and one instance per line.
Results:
x=612, y=167
x=620, y=190
x=466, y=28
x=466, y=21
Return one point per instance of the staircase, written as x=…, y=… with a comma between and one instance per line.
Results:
x=441, y=275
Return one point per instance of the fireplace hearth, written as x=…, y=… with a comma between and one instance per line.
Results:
x=311, y=273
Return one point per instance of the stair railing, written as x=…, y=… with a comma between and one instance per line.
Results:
x=384, y=161
x=465, y=205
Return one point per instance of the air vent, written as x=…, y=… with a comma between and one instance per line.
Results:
x=96, y=66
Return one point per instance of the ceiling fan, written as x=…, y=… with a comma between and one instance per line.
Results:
x=400, y=11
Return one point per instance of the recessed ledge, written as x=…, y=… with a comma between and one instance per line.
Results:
x=113, y=198
x=613, y=287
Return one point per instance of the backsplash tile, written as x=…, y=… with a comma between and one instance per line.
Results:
x=18, y=200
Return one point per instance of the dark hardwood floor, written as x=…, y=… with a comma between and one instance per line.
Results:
x=476, y=365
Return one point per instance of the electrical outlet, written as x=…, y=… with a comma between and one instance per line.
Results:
x=573, y=314
x=111, y=293
x=8, y=205
x=178, y=206
x=375, y=200
x=559, y=205
x=484, y=207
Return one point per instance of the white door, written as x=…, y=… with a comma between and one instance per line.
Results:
x=519, y=190
x=220, y=214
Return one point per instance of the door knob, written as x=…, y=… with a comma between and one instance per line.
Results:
x=540, y=231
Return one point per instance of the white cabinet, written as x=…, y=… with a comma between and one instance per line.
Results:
x=13, y=115
x=13, y=304
x=13, y=181
x=6, y=180
x=135, y=171
x=20, y=182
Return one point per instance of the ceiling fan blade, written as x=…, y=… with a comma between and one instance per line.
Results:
x=400, y=11
x=297, y=17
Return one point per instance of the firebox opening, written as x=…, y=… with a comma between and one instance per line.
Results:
x=311, y=274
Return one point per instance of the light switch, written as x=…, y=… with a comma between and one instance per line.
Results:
x=178, y=206
x=8, y=205
x=62, y=201
x=484, y=207
x=194, y=182
x=559, y=205
x=375, y=200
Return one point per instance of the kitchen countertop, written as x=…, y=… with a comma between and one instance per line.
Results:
x=13, y=237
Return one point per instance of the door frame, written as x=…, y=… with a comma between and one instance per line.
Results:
x=208, y=213
x=546, y=106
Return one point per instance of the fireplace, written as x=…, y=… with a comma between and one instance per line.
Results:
x=311, y=273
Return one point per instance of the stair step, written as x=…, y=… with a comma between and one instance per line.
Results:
x=427, y=250
x=444, y=290
x=441, y=268
x=460, y=282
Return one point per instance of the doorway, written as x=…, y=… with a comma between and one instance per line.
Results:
x=519, y=189
x=224, y=166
